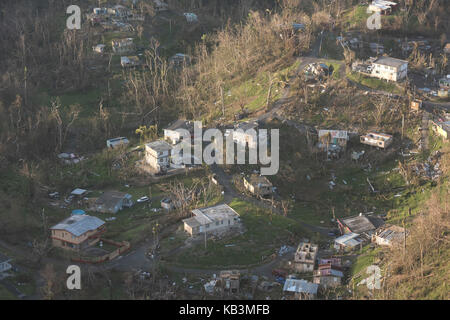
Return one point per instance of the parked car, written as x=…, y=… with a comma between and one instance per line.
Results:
x=143, y=199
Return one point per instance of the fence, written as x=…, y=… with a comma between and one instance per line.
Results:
x=121, y=248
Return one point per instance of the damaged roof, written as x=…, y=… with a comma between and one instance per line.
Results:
x=362, y=223
x=300, y=286
x=79, y=224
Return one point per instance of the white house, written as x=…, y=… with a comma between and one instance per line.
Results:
x=4, y=263
x=391, y=69
x=211, y=219
x=157, y=155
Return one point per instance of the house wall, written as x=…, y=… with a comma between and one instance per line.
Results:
x=389, y=73
x=5, y=266
x=155, y=160
x=65, y=240
x=327, y=281
x=211, y=227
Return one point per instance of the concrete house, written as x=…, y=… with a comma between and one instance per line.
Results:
x=123, y=45
x=112, y=202
x=328, y=275
x=4, y=263
x=380, y=140
x=389, y=236
x=229, y=280
x=175, y=137
x=305, y=257
x=157, y=155
x=258, y=185
x=77, y=232
x=212, y=219
x=391, y=69
x=333, y=141
x=301, y=289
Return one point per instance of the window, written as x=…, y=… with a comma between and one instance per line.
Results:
x=217, y=223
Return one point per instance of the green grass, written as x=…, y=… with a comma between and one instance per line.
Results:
x=263, y=237
x=374, y=83
x=5, y=294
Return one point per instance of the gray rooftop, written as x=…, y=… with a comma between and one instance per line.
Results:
x=159, y=146
x=78, y=225
x=300, y=286
x=391, y=62
x=110, y=199
x=360, y=224
x=210, y=214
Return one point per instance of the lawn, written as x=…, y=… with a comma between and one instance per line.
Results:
x=5, y=294
x=374, y=83
x=264, y=235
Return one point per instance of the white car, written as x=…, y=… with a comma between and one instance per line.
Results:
x=143, y=199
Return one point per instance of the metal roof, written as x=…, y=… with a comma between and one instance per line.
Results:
x=358, y=224
x=79, y=224
x=300, y=286
x=349, y=240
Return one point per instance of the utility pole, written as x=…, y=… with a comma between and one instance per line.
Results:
x=403, y=124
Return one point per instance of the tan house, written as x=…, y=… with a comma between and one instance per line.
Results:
x=305, y=257
x=230, y=280
x=380, y=140
x=389, y=236
x=77, y=232
x=157, y=155
x=390, y=69
x=258, y=185
x=300, y=289
x=212, y=219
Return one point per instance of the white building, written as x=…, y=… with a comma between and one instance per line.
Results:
x=4, y=263
x=211, y=219
x=157, y=155
x=391, y=69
